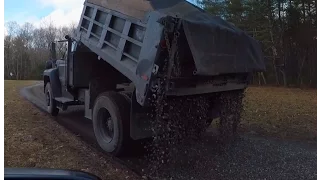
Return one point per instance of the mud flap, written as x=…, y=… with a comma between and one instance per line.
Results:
x=87, y=109
x=140, y=122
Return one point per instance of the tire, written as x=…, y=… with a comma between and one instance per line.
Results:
x=51, y=103
x=126, y=96
x=111, y=122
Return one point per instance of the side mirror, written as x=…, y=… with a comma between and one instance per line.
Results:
x=53, y=51
x=49, y=65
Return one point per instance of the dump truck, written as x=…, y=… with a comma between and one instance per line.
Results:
x=128, y=59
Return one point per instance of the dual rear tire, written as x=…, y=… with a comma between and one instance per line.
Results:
x=111, y=119
x=111, y=122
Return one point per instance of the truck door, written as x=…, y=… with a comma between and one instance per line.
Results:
x=61, y=64
x=62, y=53
x=69, y=68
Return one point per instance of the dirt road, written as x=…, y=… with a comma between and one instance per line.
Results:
x=34, y=139
x=251, y=157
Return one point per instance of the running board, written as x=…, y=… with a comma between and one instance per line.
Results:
x=63, y=102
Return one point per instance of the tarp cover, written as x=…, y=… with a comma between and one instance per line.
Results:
x=217, y=46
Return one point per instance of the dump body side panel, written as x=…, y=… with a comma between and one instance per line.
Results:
x=124, y=42
x=217, y=46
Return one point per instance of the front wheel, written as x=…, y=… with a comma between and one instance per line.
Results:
x=111, y=122
x=51, y=103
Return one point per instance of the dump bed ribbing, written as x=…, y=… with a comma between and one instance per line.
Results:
x=119, y=39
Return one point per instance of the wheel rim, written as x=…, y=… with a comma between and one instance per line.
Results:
x=48, y=98
x=106, y=124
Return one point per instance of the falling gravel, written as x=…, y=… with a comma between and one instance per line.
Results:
x=179, y=122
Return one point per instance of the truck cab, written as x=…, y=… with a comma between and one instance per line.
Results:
x=80, y=77
x=58, y=93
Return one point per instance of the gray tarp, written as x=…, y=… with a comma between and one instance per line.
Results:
x=217, y=46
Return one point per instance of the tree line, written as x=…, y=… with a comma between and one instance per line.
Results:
x=287, y=32
x=27, y=48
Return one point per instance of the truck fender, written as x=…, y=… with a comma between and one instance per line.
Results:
x=52, y=76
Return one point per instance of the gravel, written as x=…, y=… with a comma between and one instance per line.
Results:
x=250, y=157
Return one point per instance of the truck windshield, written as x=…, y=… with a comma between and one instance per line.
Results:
x=62, y=50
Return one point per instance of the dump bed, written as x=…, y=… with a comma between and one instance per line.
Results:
x=119, y=39
x=127, y=33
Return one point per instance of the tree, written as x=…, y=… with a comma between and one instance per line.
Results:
x=26, y=48
x=286, y=30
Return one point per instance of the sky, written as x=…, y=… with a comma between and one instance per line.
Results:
x=38, y=12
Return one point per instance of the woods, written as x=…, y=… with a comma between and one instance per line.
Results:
x=27, y=48
x=287, y=32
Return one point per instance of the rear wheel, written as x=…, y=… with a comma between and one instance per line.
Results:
x=127, y=96
x=51, y=103
x=111, y=118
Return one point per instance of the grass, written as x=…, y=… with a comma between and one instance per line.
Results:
x=281, y=112
x=33, y=139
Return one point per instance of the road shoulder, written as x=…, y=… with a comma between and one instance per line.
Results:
x=34, y=139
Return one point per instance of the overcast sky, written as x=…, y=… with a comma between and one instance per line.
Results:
x=60, y=12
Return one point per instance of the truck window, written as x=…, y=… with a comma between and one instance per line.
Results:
x=62, y=50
